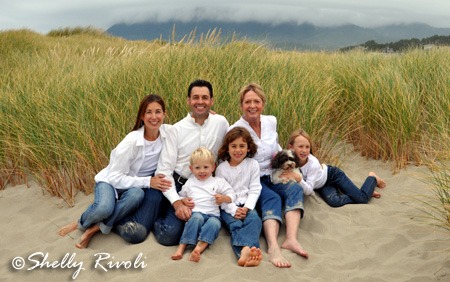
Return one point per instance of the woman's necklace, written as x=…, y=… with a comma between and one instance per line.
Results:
x=152, y=144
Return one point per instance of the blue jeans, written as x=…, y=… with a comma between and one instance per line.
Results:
x=275, y=198
x=135, y=227
x=105, y=210
x=243, y=232
x=168, y=227
x=201, y=227
x=339, y=190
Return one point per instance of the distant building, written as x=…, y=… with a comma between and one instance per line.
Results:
x=388, y=50
x=428, y=47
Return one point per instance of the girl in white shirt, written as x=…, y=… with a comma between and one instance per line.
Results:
x=329, y=181
x=240, y=217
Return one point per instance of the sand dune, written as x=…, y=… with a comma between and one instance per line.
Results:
x=383, y=241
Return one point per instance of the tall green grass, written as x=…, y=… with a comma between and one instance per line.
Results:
x=436, y=207
x=67, y=98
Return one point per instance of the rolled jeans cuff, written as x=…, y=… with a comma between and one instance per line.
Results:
x=277, y=218
x=105, y=229
x=298, y=206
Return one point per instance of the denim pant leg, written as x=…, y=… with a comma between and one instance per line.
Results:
x=243, y=232
x=333, y=197
x=345, y=192
x=368, y=187
x=269, y=202
x=135, y=227
x=128, y=201
x=210, y=229
x=192, y=229
x=291, y=194
x=101, y=208
x=168, y=227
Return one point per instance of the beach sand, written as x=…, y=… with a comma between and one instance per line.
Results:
x=385, y=240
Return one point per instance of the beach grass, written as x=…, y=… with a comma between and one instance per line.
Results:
x=67, y=99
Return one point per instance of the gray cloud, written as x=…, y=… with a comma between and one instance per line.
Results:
x=45, y=15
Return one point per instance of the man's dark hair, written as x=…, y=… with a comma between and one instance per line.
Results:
x=200, y=83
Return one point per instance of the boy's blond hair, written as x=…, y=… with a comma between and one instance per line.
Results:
x=202, y=154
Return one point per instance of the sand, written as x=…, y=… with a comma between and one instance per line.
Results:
x=385, y=240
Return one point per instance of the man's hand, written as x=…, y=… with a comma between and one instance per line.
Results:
x=181, y=211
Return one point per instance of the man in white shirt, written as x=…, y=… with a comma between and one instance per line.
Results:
x=198, y=128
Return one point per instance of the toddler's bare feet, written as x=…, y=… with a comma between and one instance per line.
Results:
x=177, y=256
x=380, y=182
x=250, y=257
x=67, y=229
x=195, y=256
x=277, y=259
x=179, y=253
x=294, y=246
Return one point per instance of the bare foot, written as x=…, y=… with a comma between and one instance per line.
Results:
x=179, y=253
x=277, y=259
x=67, y=229
x=195, y=256
x=294, y=246
x=87, y=235
x=250, y=256
x=380, y=181
x=177, y=256
x=376, y=194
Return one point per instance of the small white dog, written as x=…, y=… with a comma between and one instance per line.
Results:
x=284, y=160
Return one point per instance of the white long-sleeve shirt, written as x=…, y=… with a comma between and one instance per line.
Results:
x=244, y=178
x=314, y=175
x=126, y=160
x=268, y=143
x=202, y=193
x=184, y=137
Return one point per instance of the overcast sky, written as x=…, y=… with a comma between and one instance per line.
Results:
x=45, y=15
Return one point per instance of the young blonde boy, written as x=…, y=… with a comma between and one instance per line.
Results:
x=208, y=193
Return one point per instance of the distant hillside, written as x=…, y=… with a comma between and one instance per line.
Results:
x=286, y=36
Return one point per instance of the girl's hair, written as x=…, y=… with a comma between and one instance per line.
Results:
x=143, y=106
x=252, y=87
x=201, y=154
x=301, y=132
x=232, y=135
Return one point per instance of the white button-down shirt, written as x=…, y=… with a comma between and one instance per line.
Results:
x=184, y=137
x=126, y=160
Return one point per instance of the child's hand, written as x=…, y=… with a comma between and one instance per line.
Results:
x=241, y=213
x=220, y=199
x=290, y=175
x=188, y=202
